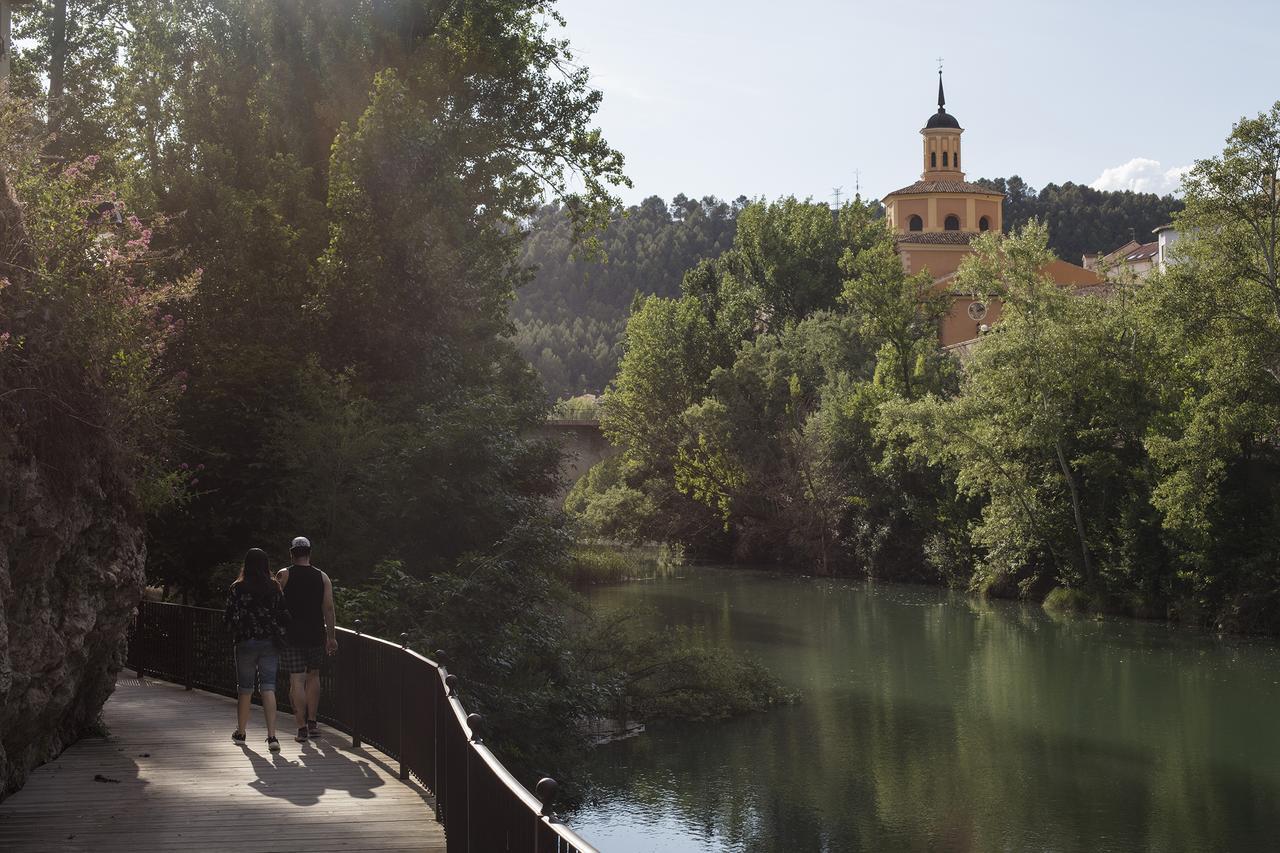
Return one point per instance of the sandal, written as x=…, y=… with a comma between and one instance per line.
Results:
x=238, y=737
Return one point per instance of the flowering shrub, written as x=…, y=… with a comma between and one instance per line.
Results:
x=86, y=316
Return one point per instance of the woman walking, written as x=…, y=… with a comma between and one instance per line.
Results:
x=257, y=616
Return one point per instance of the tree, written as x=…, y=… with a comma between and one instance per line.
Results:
x=228, y=118
x=1218, y=314
x=896, y=311
x=1047, y=428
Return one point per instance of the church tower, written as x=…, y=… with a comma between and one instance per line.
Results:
x=942, y=143
x=942, y=200
x=934, y=220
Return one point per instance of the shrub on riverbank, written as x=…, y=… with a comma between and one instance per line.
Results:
x=539, y=663
x=594, y=563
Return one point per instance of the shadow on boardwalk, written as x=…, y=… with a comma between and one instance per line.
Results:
x=168, y=778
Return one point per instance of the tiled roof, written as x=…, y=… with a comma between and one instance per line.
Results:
x=940, y=238
x=1143, y=252
x=944, y=187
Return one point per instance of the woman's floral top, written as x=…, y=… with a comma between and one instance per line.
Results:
x=251, y=618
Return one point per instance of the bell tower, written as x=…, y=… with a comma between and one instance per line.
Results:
x=942, y=143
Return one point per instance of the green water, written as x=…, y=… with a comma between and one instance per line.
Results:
x=933, y=722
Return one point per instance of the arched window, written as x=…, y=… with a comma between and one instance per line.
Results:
x=915, y=223
x=933, y=159
x=984, y=224
x=944, y=159
x=952, y=223
x=955, y=159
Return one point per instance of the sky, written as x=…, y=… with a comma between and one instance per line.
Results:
x=798, y=97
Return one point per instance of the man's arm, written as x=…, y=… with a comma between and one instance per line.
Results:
x=330, y=620
x=282, y=577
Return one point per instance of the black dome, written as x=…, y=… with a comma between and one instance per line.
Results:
x=942, y=118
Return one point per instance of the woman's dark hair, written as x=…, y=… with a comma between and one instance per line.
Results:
x=255, y=574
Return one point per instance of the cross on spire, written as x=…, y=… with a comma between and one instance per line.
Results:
x=942, y=99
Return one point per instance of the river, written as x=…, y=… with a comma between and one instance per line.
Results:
x=931, y=721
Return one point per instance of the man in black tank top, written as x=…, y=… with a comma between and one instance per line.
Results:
x=309, y=597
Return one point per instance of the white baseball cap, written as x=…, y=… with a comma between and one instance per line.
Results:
x=300, y=542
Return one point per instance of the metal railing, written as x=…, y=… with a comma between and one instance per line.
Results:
x=387, y=696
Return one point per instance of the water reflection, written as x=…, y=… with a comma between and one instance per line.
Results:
x=936, y=722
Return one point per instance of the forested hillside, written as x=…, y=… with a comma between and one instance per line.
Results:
x=569, y=318
x=1082, y=219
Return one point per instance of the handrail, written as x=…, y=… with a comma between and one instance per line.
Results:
x=383, y=693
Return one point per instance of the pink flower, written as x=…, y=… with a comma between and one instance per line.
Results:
x=184, y=466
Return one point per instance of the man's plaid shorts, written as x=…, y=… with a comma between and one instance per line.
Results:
x=296, y=659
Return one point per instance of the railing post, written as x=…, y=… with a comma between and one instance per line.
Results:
x=473, y=723
x=139, y=666
x=355, y=693
x=436, y=687
x=546, y=791
x=188, y=641
x=404, y=669
x=451, y=690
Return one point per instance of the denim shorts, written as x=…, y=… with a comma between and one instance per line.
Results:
x=260, y=656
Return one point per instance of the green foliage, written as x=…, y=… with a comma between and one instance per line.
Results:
x=674, y=674
x=591, y=563
x=1046, y=432
x=585, y=407
x=604, y=505
x=745, y=409
x=1213, y=447
x=353, y=193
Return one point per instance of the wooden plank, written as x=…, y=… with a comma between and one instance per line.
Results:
x=180, y=784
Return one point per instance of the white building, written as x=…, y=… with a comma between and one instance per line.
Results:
x=1166, y=236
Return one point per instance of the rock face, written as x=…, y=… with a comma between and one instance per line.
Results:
x=71, y=545
x=70, y=579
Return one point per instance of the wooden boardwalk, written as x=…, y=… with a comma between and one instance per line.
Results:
x=168, y=778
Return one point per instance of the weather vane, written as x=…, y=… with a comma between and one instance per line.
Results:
x=939, y=64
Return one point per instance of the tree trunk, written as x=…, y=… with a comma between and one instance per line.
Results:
x=57, y=70
x=1075, y=508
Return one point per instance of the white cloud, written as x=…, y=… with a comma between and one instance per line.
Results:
x=1142, y=176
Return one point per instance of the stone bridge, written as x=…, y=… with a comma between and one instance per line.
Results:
x=584, y=445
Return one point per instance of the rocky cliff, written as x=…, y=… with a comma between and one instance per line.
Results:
x=71, y=546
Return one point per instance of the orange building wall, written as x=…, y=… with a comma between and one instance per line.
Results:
x=957, y=326
x=938, y=260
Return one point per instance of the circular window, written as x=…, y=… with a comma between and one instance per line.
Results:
x=977, y=310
